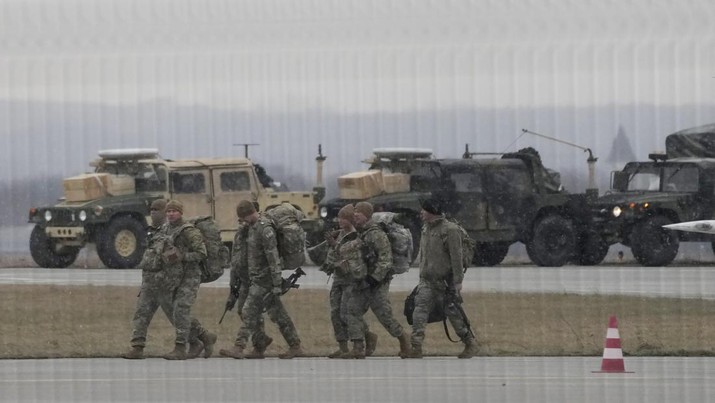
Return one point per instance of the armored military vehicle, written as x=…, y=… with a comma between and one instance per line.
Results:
x=110, y=207
x=675, y=186
x=499, y=199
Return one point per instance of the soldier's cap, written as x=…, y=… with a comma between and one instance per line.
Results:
x=245, y=208
x=432, y=206
x=364, y=208
x=158, y=204
x=347, y=212
x=175, y=205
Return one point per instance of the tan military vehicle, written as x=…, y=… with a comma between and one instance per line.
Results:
x=110, y=207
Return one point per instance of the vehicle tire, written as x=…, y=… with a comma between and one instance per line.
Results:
x=653, y=245
x=592, y=249
x=46, y=253
x=490, y=253
x=553, y=242
x=121, y=244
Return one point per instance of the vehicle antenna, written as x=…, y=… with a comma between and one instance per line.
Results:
x=245, y=147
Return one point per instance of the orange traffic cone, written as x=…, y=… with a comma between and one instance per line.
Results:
x=612, y=353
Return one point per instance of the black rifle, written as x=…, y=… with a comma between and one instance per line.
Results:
x=453, y=299
x=233, y=294
x=287, y=284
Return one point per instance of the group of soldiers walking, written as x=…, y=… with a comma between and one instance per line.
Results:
x=360, y=263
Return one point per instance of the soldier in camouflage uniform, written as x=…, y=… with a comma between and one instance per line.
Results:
x=241, y=281
x=373, y=291
x=440, y=267
x=345, y=264
x=151, y=296
x=265, y=289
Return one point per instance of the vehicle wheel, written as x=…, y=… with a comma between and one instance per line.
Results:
x=653, y=245
x=553, y=242
x=120, y=244
x=592, y=249
x=490, y=254
x=46, y=253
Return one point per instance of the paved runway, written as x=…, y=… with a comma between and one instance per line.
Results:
x=671, y=281
x=372, y=380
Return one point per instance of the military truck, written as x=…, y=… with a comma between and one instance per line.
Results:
x=499, y=199
x=675, y=186
x=110, y=207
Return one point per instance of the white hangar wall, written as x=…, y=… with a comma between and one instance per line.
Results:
x=193, y=78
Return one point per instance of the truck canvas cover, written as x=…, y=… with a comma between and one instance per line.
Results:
x=694, y=142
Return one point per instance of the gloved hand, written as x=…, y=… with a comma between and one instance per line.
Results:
x=171, y=255
x=277, y=291
x=372, y=282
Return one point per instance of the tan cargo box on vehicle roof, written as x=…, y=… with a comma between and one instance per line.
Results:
x=360, y=185
x=396, y=182
x=96, y=185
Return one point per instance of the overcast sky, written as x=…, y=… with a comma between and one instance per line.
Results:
x=196, y=76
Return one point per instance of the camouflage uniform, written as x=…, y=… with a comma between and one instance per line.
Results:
x=152, y=294
x=440, y=264
x=264, y=268
x=374, y=293
x=240, y=275
x=181, y=279
x=343, y=281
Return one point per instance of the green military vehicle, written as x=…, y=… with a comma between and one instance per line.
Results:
x=676, y=186
x=110, y=207
x=499, y=199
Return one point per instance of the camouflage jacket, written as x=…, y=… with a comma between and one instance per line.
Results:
x=189, y=241
x=239, y=255
x=264, y=262
x=441, y=252
x=377, y=251
x=345, y=259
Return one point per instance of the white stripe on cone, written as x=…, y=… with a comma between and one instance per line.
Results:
x=612, y=333
x=612, y=353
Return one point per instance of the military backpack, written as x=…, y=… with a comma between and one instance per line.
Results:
x=218, y=257
x=400, y=240
x=290, y=236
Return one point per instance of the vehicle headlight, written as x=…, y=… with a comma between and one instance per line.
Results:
x=98, y=210
x=48, y=215
x=616, y=211
x=82, y=215
x=323, y=212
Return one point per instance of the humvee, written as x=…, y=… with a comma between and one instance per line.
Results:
x=675, y=186
x=116, y=221
x=499, y=199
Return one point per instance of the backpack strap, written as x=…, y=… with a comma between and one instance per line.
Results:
x=179, y=231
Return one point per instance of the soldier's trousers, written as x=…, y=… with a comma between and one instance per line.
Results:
x=253, y=309
x=153, y=296
x=428, y=295
x=339, y=298
x=378, y=300
x=258, y=338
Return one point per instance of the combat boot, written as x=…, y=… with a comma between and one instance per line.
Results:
x=404, y=344
x=209, y=340
x=259, y=349
x=195, y=349
x=358, y=351
x=135, y=353
x=233, y=352
x=179, y=353
x=470, y=349
x=370, y=343
x=293, y=351
x=415, y=352
x=342, y=350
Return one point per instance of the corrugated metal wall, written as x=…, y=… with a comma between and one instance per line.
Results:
x=193, y=77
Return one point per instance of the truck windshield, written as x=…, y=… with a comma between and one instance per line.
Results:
x=673, y=178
